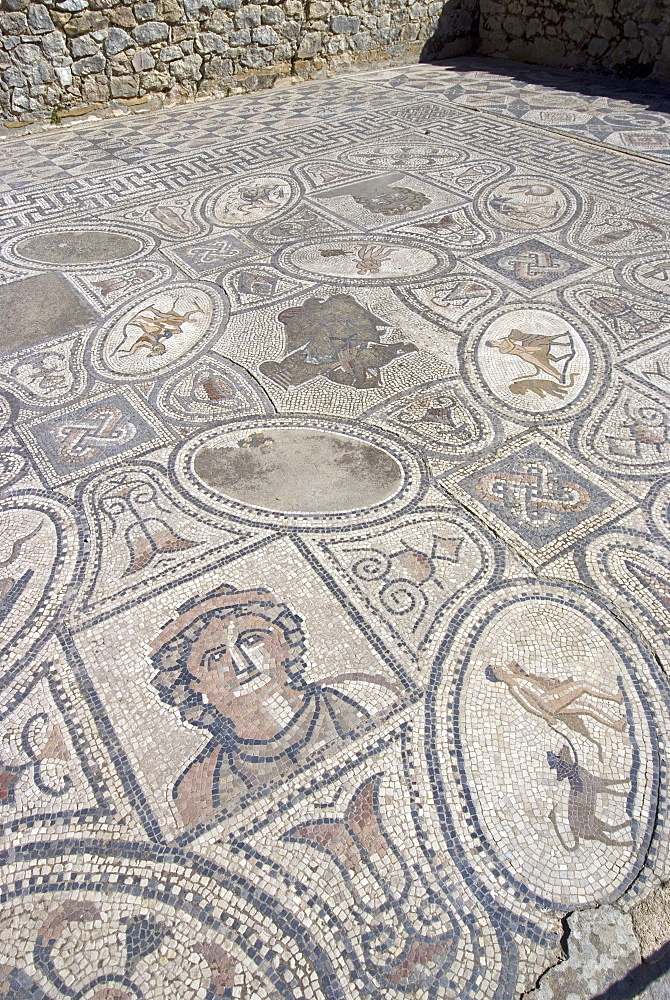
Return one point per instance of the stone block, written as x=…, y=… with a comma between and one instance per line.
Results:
x=310, y=45
x=248, y=16
x=219, y=67
x=290, y=29
x=117, y=41
x=252, y=58
x=155, y=81
x=361, y=41
x=124, y=86
x=150, y=32
x=28, y=54
x=145, y=11
x=13, y=77
x=82, y=24
x=653, y=12
x=343, y=25
x=209, y=41
x=16, y=4
x=14, y=23
x=63, y=75
x=39, y=21
x=318, y=10
x=171, y=12
x=42, y=73
x=187, y=68
x=264, y=35
x=142, y=61
x=82, y=46
x=95, y=91
x=71, y=6
x=88, y=65
x=170, y=53
x=53, y=44
x=272, y=15
x=242, y=37
x=596, y=47
x=220, y=22
x=123, y=17
x=514, y=26
x=182, y=31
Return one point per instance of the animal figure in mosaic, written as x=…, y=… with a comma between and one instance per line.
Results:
x=529, y=204
x=234, y=664
x=559, y=701
x=444, y=410
x=644, y=428
x=337, y=338
x=268, y=195
x=616, y=226
x=546, y=353
x=157, y=326
x=542, y=387
x=585, y=788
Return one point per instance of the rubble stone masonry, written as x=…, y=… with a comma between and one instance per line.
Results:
x=62, y=56
x=629, y=38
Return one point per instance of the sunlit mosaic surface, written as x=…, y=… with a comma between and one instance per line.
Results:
x=334, y=537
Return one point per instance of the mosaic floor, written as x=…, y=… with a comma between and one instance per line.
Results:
x=335, y=537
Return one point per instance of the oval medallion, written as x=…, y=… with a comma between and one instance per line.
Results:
x=425, y=155
x=543, y=702
x=299, y=469
x=162, y=329
x=363, y=259
x=528, y=203
x=250, y=200
x=532, y=360
x=81, y=248
x=68, y=247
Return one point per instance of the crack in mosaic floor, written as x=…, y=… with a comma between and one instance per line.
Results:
x=334, y=537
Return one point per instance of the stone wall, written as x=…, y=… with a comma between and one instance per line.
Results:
x=630, y=38
x=61, y=55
